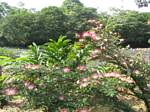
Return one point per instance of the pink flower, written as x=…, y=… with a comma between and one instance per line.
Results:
x=29, y=85
x=85, y=79
x=94, y=38
x=137, y=72
x=112, y=74
x=10, y=91
x=30, y=66
x=84, y=84
x=86, y=34
x=66, y=69
x=94, y=56
x=90, y=34
x=128, y=80
x=79, y=35
x=96, y=51
x=91, y=21
x=96, y=76
x=81, y=68
x=61, y=97
x=120, y=77
x=63, y=110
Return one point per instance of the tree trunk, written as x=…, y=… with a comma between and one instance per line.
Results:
x=0, y=70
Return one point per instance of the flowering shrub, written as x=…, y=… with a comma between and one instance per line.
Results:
x=57, y=77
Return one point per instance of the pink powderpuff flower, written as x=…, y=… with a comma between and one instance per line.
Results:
x=30, y=66
x=61, y=97
x=94, y=56
x=96, y=76
x=79, y=35
x=86, y=34
x=29, y=85
x=112, y=74
x=137, y=72
x=66, y=69
x=10, y=91
x=84, y=84
x=94, y=38
x=91, y=21
x=96, y=51
x=85, y=79
x=63, y=110
x=122, y=78
x=127, y=79
x=81, y=68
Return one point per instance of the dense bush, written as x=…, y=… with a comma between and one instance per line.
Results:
x=56, y=75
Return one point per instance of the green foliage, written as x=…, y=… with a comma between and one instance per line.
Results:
x=56, y=75
x=77, y=16
x=5, y=60
x=4, y=9
x=7, y=52
x=2, y=85
x=132, y=27
x=21, y=27
x=15, y=28
x=56, y=52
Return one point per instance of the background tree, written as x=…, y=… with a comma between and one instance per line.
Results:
x=142, y=3
x=15, y=27
x=77, y=15
x=4, y=9
x=21, y=27
x=132, y=26
x=48, y=23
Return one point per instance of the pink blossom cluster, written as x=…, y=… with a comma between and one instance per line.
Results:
x=83, y=110
x=29, y=85
x=119, y=76
x=96, y=52
x=10, y=91
x=31, y=66
x=96, y=23
x=78, y=110
x=84, y=82
x=66, y=70
x=63, y=110
x=81, y=68
x=90, y=34
x=61, y=97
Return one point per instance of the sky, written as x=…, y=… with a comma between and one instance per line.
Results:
x=101, y=5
